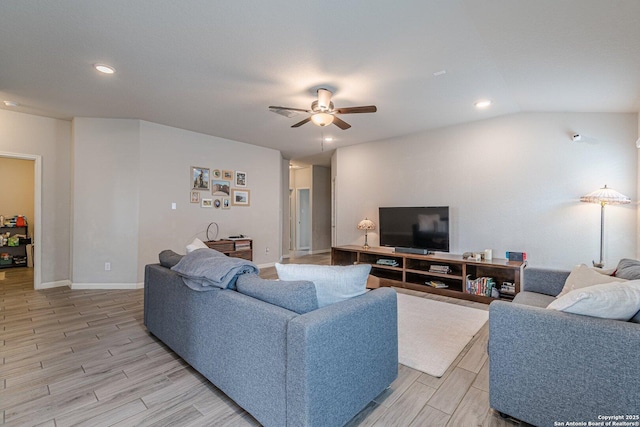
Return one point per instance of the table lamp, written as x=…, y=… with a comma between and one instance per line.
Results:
x=366, y=225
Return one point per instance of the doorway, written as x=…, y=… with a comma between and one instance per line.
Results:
x=34, y=223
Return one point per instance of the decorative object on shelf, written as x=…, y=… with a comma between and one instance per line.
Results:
x=217, y=174
x=241, y=179
x=366, y=225
x=195, y=197
x=240, y=197
x=226, y=203
x=227, y=175
x=206, y=203
x=215, y=236
x=220, y=187
x=604, y=196
x=199, y=178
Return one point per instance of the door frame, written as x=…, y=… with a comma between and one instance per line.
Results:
x=37, y=211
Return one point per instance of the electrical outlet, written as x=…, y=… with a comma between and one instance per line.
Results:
x=266, y=250
x=107, y=266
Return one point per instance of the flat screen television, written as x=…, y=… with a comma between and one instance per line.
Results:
x=415, y=229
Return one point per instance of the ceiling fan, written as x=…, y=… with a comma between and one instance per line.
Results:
x=323, y=113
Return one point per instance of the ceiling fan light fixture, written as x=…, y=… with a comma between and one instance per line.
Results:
x=322, y=119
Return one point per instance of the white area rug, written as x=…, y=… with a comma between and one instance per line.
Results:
x=431, y=334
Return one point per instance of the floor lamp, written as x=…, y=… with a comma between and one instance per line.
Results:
x=604, y=196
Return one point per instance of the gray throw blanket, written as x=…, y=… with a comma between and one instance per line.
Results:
x=205, y=268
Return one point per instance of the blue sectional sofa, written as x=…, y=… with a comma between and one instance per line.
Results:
x=548, y=367
x=313, y=368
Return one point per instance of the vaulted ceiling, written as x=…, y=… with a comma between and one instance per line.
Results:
x=215, y=66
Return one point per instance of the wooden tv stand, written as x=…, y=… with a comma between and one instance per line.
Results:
x=412, y=271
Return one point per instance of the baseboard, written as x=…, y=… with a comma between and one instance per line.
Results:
x=321, y=251
x=267, y=265
x=56, y=284
x=107, y=286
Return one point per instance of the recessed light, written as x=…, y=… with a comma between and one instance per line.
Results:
x=328, y=139
x=106, y=69
x=483, y=103
x=440, y=73
x=11, y=103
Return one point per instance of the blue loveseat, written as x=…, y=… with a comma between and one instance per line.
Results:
x=313, y=368
x=547, y=366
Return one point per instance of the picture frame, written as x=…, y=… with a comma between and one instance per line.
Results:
x=220, y=187
x=217, y=203
x=241, y=179
x=199, y=178
x=227, y=175
x=206, y=203
x=195, y=197
x=226, y=203
x=240, y=197
x=216, y=174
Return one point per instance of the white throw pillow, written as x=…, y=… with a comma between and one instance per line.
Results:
x=196, y=244
x=615, y=300
x=333, y=283
x=582, y=276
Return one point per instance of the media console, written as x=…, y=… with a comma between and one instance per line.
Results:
x=412, y=271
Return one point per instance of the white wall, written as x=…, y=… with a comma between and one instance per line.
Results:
x=105, y=194
x=512, y=183
x=127, y=175
x=320, y=209
x=166, y=157
x=51, y=139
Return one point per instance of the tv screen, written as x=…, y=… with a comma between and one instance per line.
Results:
x=424, y=228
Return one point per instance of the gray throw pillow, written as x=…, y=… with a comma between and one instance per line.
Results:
x=169, y=258
x=298, y=296
x=628, y=269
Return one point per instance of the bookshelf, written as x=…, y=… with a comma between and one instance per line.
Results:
x=411, y=271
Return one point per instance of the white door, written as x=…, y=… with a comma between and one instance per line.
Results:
x=304, y=219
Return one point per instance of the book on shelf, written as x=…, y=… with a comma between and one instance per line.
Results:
x=442, y=269
x=436, y=284
x=481, y=286
x=387, y=262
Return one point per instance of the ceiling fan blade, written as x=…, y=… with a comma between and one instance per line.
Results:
x=341, y=123
x=271, y=107
x=297, y=125
x=354, y=110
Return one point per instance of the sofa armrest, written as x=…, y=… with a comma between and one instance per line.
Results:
x=546, y=365
x=340, y=357
x=544, y=281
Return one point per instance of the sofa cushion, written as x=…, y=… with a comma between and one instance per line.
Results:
x=628, y=269
x=533, y=299
x=582, y=276
x=169, y=258
x=333, y=283
x=196, y=244
x=619, y=301
x=298, y=296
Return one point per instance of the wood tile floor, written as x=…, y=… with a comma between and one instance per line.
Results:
x=84, y=358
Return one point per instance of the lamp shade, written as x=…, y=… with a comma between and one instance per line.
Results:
x=322, y=119
x=366, y=224
x=606, y=196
